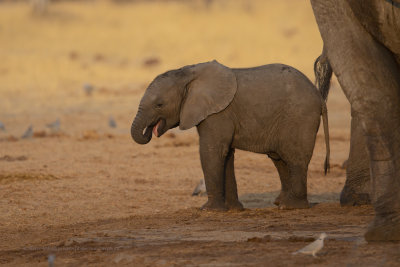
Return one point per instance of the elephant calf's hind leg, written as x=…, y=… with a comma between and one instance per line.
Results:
x=283, y=171
x=296, y=197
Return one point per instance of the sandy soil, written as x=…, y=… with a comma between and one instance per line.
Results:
x=91, y=196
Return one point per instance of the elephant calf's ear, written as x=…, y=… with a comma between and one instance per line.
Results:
x=211, y=91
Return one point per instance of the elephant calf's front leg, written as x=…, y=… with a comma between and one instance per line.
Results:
x=231, y=195
x=213, y=163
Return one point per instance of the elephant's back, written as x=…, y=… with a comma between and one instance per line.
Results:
x=277, y=83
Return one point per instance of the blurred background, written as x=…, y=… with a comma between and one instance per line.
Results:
x=65, y=59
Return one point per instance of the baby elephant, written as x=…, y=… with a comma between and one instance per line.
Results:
x=272, y=109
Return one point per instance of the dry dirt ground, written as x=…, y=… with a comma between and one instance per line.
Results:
x=90, y=196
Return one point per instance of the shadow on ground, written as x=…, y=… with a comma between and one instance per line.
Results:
x=264, y=200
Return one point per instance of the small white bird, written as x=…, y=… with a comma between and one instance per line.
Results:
x=112, y=123
x=28, y=133
x=88, y=88
x=50, y=259
x=200, y=189
x=54, y=126
x=2, y=126
x=314, y=247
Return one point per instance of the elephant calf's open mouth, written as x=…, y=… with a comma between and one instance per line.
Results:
x=158, y=128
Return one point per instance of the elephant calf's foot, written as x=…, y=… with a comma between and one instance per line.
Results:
x=354, y=199
x=383, y=231
x=214, y=206
x=234, y=205
x=290, y=202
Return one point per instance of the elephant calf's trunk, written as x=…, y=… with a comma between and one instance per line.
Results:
x=137, y=129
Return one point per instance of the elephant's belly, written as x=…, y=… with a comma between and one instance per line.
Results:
x=256, y=145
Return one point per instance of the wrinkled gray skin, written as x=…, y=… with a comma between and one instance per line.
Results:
x=272, y=109
x=357, y=188
x=362, y=42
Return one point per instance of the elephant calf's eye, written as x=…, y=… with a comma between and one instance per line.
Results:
x=159, y=105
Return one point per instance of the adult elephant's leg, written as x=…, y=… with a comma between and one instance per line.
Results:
x=231, y=195
x=369, y=76
x=283, y=172
x=357, y=189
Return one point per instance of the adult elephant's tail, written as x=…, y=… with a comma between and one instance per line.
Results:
x=323, y=74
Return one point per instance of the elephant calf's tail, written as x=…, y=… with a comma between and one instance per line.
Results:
x=323, y=75
x=326, y=132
